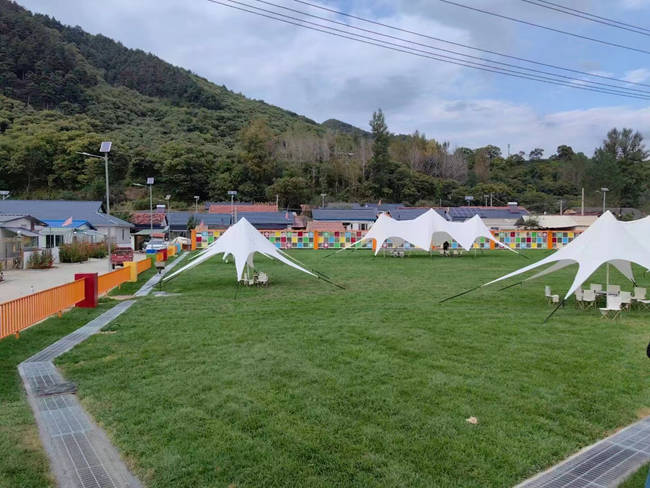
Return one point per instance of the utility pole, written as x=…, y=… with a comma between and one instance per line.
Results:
x=561, y=209
x=491, y=199
x=582, y=205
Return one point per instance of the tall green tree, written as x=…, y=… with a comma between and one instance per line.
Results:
x=380, y=167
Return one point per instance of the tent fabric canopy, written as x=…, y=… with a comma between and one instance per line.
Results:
x=606, y=241
x=428, y=228
x=241, y=241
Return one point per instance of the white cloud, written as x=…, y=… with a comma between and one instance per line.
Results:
x=637, y=75
x=480, y=122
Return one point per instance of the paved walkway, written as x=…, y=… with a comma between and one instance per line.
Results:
x=602, y=465
x=18, y=283
x=81, y=455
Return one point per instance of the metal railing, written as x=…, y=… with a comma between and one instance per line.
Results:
x=18, y=314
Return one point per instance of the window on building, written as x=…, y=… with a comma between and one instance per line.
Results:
x=53, y=241
x=122, y=234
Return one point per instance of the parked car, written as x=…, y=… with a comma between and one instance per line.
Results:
x=121, y=254
x=155, y=245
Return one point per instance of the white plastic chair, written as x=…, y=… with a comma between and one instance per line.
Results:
x=613, y=308
x=579, y=294
x=550, y=298
x=588, y=298
x=640, y=296
x=613, y=289
x=626, y=299
x=263, y=279
x=596, y=287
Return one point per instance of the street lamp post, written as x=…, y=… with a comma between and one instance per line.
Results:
x=604, y=190
x=196, y=204
x=104, y=148
x=232, y=194
x=323, y=195
x=169, y=203
x=150, y=184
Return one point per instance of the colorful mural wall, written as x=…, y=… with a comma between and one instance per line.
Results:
x=285, y=239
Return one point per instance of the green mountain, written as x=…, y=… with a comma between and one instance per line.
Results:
x=63, y=90
x=345, y=128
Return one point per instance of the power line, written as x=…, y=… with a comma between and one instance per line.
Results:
x=552, y=29
x=597, y=16
x=570, y=70
x=428, y=45
x=408, y=50
x=568, y=11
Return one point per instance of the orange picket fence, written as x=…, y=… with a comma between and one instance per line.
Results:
x=108, y=281
x=24, y=312
x=18, y=314
x=143, y=265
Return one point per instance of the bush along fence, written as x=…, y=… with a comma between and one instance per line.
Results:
x=283, y=239
x=84, y=291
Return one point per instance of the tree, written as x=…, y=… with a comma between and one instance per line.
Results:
x=536, y=154
x=626, y=148
x=291, y=191
x=625, y=145
x=380, y=164
x=564, y=152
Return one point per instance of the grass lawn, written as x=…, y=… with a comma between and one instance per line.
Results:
x=638, y=479
x=303, y=384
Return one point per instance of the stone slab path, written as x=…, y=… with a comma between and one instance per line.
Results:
x=80, y=453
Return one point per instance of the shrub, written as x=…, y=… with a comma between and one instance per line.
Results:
x=98, y=250
x=40, y=260
x=75, y=252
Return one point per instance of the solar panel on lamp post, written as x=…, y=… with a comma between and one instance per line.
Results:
x=4, y=194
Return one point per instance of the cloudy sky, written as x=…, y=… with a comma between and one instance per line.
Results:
x=323, y=77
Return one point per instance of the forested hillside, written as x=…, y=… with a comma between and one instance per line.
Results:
x=63, y=91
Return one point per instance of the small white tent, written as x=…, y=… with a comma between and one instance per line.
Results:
x=606, y=241
x=428, y=228
x=242, y=241
x=465, y=233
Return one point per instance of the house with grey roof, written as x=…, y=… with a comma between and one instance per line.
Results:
x=177, y=222
x=17, y=233
x=117, y=230
x=268, y=220
x=504, y=217
x=360, y=218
